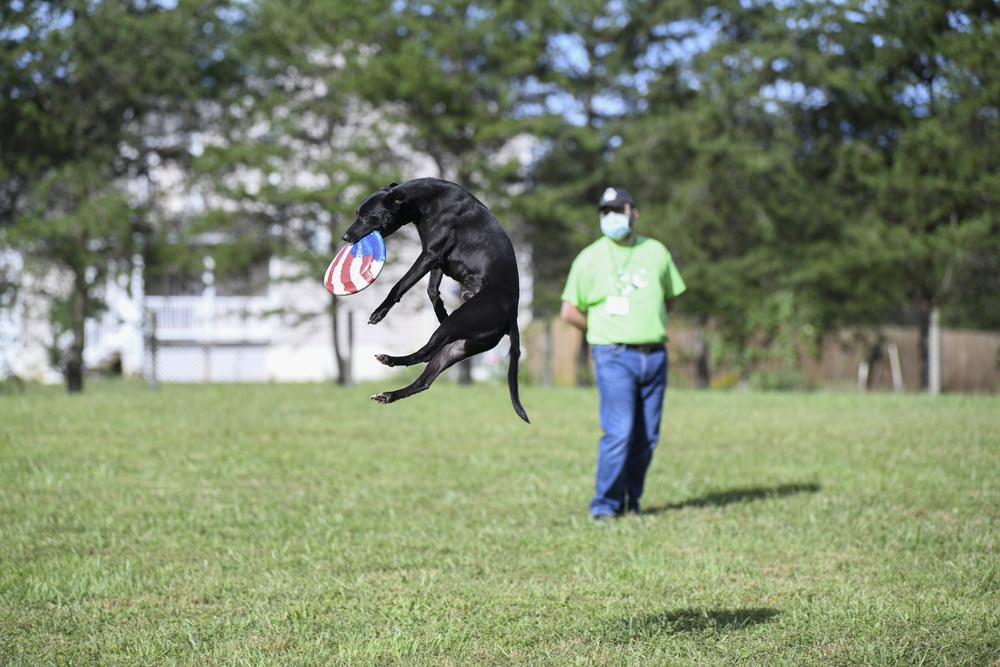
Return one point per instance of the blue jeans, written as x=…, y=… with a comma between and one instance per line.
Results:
x=631, y=386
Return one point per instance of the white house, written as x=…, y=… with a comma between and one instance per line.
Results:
x=278, y=331
x=282, y=335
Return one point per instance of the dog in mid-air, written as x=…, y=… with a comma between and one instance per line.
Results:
x=460, y=238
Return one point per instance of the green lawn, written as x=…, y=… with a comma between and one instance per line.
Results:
x=305, y=525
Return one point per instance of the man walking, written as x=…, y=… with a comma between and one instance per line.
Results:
x=619, y=291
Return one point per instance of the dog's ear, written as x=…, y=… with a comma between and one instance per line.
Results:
x=395, y=196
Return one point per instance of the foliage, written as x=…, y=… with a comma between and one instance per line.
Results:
x=598, y=71
x=272, y=524
x=97, y=95
x=833, y=150
x=839, y=152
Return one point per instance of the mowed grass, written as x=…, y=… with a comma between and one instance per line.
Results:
x=305, y=525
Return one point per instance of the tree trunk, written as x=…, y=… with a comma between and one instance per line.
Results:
x=547, y=351
x=78, y=317
x=345, y=377
x=873, y=357
x=703, y=372
x=465, y=371
x=924, y=326
x=583, y=378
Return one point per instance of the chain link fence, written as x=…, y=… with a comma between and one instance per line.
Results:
x=222, y=340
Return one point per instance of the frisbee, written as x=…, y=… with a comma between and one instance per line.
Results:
x=356, y=266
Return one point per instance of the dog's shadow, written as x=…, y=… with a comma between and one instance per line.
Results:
x=689, y=621
x=732, y=496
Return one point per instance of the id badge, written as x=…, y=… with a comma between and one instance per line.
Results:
x=617, y=305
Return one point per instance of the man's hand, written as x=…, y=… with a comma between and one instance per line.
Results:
x=573, y=315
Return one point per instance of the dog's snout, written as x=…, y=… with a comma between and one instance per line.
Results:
x=351, y=234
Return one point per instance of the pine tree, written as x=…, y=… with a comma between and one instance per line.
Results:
x=95, y=90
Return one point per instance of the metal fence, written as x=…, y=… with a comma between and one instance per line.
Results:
x=888, y=358
x=220, y=339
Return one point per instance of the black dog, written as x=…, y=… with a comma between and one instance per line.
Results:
x=460, y=239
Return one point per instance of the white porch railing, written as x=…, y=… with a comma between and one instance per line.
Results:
x=211, y=319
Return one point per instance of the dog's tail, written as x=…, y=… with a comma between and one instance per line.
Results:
x=515, y=354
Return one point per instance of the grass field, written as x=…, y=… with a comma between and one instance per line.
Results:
x=305, y=525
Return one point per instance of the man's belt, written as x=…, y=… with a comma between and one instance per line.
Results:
x=645, y=348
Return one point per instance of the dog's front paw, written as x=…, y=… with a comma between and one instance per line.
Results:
x=384, y=359
x=382, y=397
x=378, y=316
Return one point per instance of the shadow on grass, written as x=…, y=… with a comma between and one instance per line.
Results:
x=689, y=620
x=733, y=496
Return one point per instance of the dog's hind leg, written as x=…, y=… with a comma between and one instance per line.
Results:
x=450, y=354
x=439, y=339
x=453, y=329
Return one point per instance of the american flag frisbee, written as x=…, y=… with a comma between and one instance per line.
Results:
x=356, y=265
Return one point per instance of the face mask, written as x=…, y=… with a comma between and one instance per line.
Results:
x=615, y=225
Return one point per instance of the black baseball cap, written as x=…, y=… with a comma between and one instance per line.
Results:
x=615, y=198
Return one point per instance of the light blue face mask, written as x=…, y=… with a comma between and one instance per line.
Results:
x=615, y=225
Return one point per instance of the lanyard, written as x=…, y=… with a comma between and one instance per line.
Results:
x=620, y=279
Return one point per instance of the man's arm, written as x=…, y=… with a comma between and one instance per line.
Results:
x=573, y=315
x=671, y=302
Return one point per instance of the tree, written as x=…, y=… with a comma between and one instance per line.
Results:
x=733, y=201
x=96, y=93
x=287, y=165
x=830, y=155
x=605, y=75
x=442, y=79
x=907, y=101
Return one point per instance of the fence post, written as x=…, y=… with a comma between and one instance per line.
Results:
x=896, y=367
x=154, y=382
x=934, y=353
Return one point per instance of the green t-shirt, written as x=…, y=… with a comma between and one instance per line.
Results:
x=623, y=290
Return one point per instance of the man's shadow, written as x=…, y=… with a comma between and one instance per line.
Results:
x=732, y=496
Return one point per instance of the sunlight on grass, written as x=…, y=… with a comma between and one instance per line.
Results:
x=303, y=524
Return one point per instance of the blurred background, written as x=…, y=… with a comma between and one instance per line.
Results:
x=175, y=177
